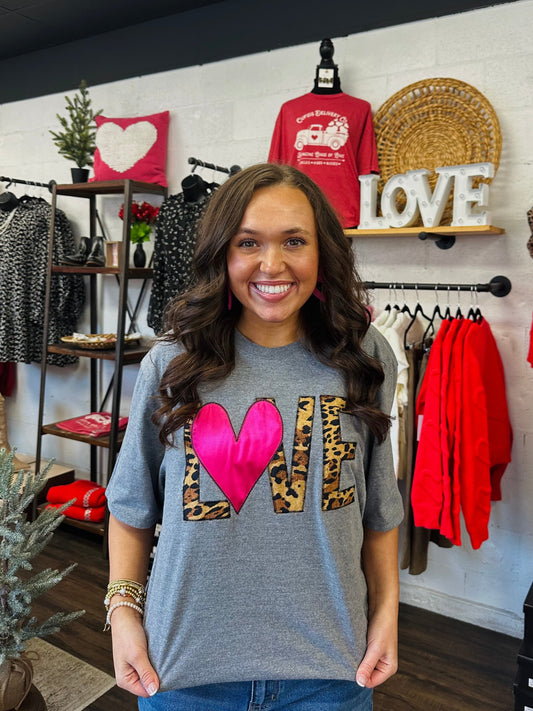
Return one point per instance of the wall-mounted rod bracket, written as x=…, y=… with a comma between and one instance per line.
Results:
x=442, y=241
x=500, y=286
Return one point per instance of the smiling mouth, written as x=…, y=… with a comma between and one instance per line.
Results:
x=272, y=289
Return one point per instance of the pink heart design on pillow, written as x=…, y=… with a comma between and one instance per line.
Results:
x=236, y=463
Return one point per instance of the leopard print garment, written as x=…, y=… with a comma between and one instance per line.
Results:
x=24, y=235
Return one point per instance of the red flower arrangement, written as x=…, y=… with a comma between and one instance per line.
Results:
x=143, y=216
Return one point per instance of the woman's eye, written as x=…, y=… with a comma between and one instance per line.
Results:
x=247, y=243
x=295, y=242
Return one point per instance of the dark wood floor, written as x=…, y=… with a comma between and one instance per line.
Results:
x=445, y=665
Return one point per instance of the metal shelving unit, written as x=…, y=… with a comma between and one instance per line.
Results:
x=122, y=354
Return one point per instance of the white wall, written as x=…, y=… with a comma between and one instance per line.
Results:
x=224, y=113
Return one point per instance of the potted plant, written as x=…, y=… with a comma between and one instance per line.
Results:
x=77, y=139
x=143, y=216
x=20, y=541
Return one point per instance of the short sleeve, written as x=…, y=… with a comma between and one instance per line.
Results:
x=134, y=492
x=384, y=507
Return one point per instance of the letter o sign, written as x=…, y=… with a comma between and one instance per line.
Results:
x=396, y=184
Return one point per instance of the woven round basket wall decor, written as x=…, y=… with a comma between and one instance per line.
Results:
x=435, y=123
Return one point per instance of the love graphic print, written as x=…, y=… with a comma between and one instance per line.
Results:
x=236, y=462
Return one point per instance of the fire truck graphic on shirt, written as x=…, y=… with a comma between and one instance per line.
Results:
x=334, y=135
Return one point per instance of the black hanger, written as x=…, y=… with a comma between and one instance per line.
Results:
x=405, y=308
x=418, y=310
x=474, y=312
x=8, y=201
x=194, y=188
x=458, y=312
x=437, y=312
x=388, y=307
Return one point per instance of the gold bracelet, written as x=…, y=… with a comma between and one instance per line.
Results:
x=125, y=588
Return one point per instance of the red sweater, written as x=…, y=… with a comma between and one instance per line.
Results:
x=466, y=437
x=426, y=490
x=448, y=413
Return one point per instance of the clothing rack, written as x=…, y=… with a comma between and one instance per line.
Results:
x=497, y=286
x=9, y=181
x=231, y=171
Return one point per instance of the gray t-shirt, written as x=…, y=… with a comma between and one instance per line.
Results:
x=262, y=499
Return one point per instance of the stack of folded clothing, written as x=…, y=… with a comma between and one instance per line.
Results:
x=88, y=500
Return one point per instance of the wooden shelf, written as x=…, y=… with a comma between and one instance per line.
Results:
x=133, y=272
x=107, y=187
x=101, y=441
x=479, y=230
x=96, y=528
x=131, y=354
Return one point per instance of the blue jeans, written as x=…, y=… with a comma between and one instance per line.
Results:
x=297, y=695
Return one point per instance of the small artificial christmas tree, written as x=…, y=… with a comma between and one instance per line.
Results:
x=77, y=140
x=20, y=541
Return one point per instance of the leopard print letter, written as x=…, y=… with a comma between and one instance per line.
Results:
x=335, y=451
x=193, y=508
x=288, y=492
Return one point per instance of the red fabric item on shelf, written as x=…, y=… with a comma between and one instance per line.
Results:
x=95, y=514
x=86, y=493
x=93, y=424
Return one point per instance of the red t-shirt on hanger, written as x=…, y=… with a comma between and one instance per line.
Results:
x=330, y=138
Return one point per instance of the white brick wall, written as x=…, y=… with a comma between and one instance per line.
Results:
x=224, y=113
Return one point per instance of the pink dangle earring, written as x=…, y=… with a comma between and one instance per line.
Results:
x=230, y=298
x=319, y=295
x=316, y=291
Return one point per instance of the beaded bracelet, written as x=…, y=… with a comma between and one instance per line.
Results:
x=113, y=607
x=125, y=588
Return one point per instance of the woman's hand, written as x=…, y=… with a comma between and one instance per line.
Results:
x=133, y=670
x=380, y=565
x=129, y=553
x=381, y=657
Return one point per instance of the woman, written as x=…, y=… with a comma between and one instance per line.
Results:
x=258, y=436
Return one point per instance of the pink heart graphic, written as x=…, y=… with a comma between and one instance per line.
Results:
x=236, y=463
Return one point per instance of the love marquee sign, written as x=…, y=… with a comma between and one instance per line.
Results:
x=468, y=201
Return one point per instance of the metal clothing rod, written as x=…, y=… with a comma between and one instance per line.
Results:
x=196, y=162
x=497, y=286
x=49, y=185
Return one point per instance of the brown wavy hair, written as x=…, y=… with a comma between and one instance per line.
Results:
x=201, y=322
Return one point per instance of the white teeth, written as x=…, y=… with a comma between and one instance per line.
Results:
x=270, y=289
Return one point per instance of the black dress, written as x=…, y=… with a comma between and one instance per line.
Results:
x=174, y=245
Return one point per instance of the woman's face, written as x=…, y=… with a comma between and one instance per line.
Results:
x=273, y=264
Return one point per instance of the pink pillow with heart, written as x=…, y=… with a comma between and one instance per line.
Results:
x=134, y=148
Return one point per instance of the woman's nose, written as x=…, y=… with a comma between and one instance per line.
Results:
x=272, y=260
